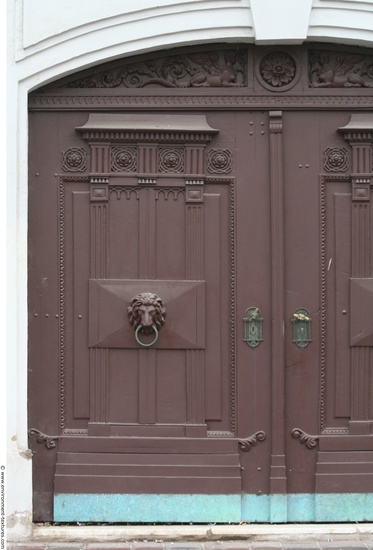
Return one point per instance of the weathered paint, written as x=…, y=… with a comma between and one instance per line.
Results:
x=214, y=508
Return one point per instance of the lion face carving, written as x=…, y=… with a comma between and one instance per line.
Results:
x=146, y=310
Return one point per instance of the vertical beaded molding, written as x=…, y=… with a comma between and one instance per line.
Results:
x=323, y=305
x=62, y=369
x=278, y=465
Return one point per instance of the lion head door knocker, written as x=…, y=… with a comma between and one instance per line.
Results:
x=147, y=315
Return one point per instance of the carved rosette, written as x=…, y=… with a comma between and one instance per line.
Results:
x=74, y=159
x=277, y=71
x=124, y=159
x=219, y=161
x=336, y=159
x=171, y=160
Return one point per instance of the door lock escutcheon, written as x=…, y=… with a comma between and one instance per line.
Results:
x=253, y=327
x=301, y=328
x=147, y=315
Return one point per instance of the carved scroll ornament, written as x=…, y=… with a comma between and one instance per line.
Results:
x=204, y=69
x=48, y=440
x=247, y=444
x=310, y=441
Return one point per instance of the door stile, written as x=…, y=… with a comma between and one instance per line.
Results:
x=278, y=464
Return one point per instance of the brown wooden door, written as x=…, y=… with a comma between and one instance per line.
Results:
x=159, y=213
x=245, y=249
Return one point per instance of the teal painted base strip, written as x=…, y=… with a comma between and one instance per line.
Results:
x=278, y=508
x=307, y=508
x=147, y=508
x=344, y=507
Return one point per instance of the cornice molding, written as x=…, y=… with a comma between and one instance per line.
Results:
x=86, y=102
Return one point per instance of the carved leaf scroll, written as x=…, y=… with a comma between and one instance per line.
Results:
x=48, y=440
x=252, y=441
x=310, y=441
x=202, y=69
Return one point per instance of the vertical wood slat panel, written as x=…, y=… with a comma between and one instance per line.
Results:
x=360, y=389
x=147, y=386
x=195, y=270
x=98, y=364
x=147, y=235
x=99, y=245
x=278, y=466
x=147, y=268
x=360, y=137
x=99, y=269
x=80, y=245
x=213, y=354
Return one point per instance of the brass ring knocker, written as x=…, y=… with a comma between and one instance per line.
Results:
x=142, y=343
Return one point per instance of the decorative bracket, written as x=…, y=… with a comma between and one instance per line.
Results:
x=49, y=440
x=301, y=328
x=251, y=441
x=310, y=441
x=253, y=327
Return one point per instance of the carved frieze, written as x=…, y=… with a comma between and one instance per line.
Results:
x=332, y=69
x=203, y=69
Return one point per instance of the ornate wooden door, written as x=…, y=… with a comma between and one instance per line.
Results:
x=200, y=288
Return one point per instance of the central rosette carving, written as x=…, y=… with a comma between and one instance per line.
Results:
x=277, y=69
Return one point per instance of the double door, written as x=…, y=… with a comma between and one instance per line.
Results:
x=191, y=324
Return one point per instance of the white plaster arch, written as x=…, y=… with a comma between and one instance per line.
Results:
x=54, y=40
x=43, y=56
x=48, y=40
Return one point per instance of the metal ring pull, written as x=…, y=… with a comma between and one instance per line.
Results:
x=142, y=343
